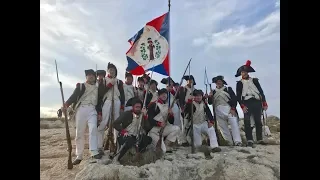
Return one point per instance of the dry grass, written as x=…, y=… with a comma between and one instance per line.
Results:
x=53, y=151
x=49, y=119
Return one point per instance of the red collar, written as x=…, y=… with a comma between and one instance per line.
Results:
x=160, y=101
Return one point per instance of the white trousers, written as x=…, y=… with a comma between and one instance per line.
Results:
x=176, y=114
x=86, y=115
x=106, y=115
x=198, y=129
x=170, y=131
x=183, y=136
x=223, y=117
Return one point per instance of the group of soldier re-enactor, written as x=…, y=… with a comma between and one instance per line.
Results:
x=92, y=101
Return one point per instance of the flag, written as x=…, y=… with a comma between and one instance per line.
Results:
x=150, y=47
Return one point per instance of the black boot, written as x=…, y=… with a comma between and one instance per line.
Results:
x=185, y=144
x=76, y=161
x=97, y=156
x=216, y=149
x=101, y=152
x=250, y=144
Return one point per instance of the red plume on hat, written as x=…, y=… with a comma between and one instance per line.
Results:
x=247, y=67
x=248, y=63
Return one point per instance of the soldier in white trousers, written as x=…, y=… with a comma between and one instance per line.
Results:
x=115, y=87
x=184, y=95
x=157, y=115
x=224, y=102
x=87, y=108
x=203, y=120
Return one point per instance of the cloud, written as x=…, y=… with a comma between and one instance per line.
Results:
x=219, y=34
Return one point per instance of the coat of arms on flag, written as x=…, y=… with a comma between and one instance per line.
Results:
x=150, y=48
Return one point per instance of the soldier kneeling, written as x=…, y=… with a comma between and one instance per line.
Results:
x=203, y=120
x=158, y=112
x=132, y=126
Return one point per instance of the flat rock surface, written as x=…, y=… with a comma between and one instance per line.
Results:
x=232, y=163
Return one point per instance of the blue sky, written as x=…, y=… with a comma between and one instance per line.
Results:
x=219, y=34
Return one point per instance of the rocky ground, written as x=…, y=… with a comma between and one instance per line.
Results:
x=233, y=163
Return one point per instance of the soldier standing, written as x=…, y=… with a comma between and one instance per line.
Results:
x=224, y=101
x=252, y=100
x=88, y=110
x=184, y=95
x=141, y=88
x=118, y=99
x=129, y=90
x=203, y=120
x=152, y=95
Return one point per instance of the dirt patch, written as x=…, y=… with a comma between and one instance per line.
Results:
x=54, y=154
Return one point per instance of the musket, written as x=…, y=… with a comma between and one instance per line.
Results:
x=206, y=82
x=109, y=143
x=70, y=165
x=140, y=118
x=264, y=116
x=191, y=119
x=158, y=146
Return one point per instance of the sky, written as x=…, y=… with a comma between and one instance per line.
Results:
x=218, y=34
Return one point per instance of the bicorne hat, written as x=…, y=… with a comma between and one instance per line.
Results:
x=110, y=65
x=133, y=101
x=247, y=67
x=89, y=71
x=165, y=80
x=197, y=92
x=221, y=78
x=101, y=72
x=162, y=91
x=153, y=82
x=140, y=79
x=128, y=75
x=189, y=77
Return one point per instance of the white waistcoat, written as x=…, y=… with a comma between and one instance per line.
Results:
x=90, y=96
x=128, y=91
x=140, y=94
x=133, y=127
x=146, y=86
x=249, y=90
x=199, y=115
x=108, y=95
x=221, y=97
x=172, y=98
x=154, y=96
x=188, y=94
x=161, y=117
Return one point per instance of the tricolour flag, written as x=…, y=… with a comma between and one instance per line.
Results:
x=150, y=48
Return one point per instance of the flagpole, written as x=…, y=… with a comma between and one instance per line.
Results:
x=169, y=81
